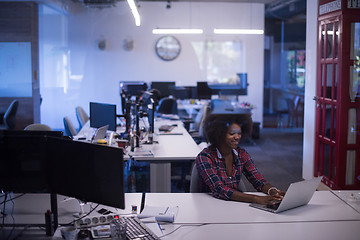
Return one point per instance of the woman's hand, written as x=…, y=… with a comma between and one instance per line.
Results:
x=265, y=200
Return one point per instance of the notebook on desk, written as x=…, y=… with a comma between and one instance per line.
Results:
x=298, y=194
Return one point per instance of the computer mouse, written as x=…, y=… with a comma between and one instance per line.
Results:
x=102, y=141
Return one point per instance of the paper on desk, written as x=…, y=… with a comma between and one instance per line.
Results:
x=161, y=214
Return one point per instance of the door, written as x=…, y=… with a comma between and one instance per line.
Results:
x=19, y=60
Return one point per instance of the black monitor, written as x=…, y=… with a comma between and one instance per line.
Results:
x=24, y=163
x=102, y=114
x=133, y=88
x=163, y=87
x=180, y=92
x=203, y=90
x=41, y=162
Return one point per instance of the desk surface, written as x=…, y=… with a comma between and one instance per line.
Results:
x=201, y=216
x=175, y=146
x=201, y=206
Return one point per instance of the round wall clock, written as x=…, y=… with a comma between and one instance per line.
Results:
x=167, y=48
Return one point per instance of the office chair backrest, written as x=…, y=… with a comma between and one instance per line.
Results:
x=194, y=181
x=205, y=114
x=69, y=127
x=10, y=115
x=82, y=116
x=167, y=105
x=38, y=127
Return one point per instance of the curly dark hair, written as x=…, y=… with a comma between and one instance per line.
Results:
x=216, y=127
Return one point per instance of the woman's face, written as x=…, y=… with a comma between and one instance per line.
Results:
x=233, y=135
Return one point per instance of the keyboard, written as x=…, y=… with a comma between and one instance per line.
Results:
x=138, y=230
x=166, y=128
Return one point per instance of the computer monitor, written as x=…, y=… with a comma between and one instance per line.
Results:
x=45, y=162
x=89, y=172
x=24, y=163
x=133, y=88
x=163, y=87
x=180, y=92
x=203, y=90
x=102, y=114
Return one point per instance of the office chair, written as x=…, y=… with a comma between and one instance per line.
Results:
x=167, y=105
x=194, y=182
x=197, y=132
x=38, y=127
x=295, y=111
x=69, y=127
x=82, y=116
x=8, y=121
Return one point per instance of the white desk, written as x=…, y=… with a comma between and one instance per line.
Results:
x=28, y=213
x=169, y=148
x=203, y=217
x=30, y=208
x=203, y=208
x=352, y=198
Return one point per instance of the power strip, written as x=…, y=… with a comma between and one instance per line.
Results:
x=91, y=221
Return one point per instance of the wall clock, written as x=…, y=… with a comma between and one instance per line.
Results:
x=168, y=48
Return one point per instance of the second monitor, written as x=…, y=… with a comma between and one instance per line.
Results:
x=163, y=87
x=102, y=114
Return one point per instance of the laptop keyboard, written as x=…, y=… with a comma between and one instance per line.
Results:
x=274, y=206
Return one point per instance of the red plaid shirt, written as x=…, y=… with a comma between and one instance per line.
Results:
x=212, y=172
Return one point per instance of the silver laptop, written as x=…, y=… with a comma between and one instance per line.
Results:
x=298, y=194
x=100, y=133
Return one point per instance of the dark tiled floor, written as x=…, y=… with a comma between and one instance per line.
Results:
x=278, y=155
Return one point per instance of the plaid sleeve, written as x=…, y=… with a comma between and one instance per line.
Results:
x=251, y=172
x=206, y=168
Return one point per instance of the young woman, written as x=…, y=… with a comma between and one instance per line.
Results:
x=222, y=165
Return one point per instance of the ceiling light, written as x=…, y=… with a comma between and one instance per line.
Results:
x=134, y=11
x=238, y=31
x=176, y=31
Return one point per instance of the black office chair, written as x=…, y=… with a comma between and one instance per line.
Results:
x=167, y=105
x=8, y=121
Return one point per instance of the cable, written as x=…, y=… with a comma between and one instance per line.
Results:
x=184, y=225
x=12, y=198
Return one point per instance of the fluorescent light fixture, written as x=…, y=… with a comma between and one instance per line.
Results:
x=238, y=31
x=176, y=31
x=134, y=11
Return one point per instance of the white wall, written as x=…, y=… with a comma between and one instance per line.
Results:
x=73, y=71
x=310, y=89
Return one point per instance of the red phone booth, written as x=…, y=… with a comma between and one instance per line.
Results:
x=337, y=136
